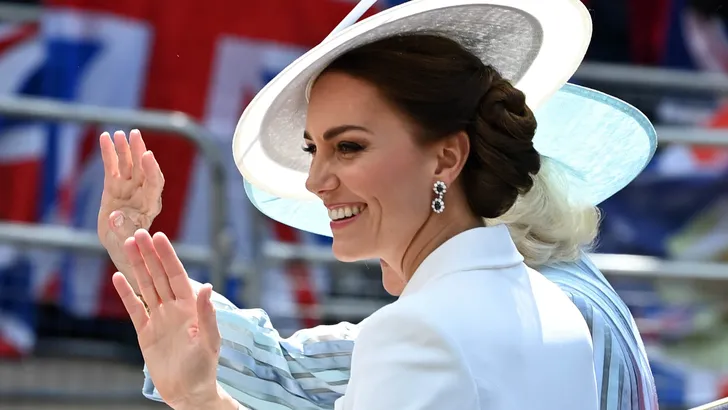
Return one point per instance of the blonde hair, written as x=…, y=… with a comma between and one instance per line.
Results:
x=546, y=227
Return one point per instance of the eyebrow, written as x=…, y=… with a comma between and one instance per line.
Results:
x=332, y=133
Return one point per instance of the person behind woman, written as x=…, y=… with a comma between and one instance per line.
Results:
x=485, y=162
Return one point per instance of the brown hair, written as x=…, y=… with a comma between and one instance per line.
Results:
x=444, y=89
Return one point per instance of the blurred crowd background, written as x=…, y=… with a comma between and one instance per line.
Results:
x=70, y=69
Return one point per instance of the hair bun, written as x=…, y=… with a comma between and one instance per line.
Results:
x=502, y=158
x=504, y=108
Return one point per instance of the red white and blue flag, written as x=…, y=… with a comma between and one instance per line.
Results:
x=207, y=60
x=22, y=147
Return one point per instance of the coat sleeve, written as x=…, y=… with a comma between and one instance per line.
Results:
x=264, y=371
x=402, y=362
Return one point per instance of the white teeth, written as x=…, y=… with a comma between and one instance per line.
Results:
x=345, y=212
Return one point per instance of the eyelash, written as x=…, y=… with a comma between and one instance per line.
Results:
x=343, y=147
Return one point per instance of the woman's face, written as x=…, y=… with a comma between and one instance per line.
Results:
x=368, y=169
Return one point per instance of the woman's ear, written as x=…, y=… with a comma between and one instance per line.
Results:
x=452, y=154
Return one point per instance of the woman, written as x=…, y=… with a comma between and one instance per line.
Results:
x=480, y=163
x=552, y=239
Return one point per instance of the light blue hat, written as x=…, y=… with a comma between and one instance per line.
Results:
x=599, y=143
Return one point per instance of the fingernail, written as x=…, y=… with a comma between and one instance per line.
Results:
x=135, y=130
x=119, y=220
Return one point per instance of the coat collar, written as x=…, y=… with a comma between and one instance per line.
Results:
x=478, y=248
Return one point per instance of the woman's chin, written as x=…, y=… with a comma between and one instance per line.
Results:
x=348, y=251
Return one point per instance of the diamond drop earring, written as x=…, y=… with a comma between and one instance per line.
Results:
x=438, y=204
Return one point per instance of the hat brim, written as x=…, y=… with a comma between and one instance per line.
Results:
x=599, y=143
x=536, y=44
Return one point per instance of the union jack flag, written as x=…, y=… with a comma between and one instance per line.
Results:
x=205, y=60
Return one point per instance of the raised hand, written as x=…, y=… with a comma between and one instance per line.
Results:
x=132, y=196
x=178, y=335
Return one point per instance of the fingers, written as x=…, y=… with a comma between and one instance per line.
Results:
x=133, y=305
x=121, y=157
x=108, y=155
x=154, y=265
x=138, y=148
x=206, y=317
x=123, y=152
x=141, y=274
x=179, y=281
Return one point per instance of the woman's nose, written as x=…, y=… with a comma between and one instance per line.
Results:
x=320, y=179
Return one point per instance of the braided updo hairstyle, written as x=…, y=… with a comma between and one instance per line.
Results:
x=445, y=89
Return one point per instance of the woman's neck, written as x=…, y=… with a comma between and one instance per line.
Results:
x=436, y=230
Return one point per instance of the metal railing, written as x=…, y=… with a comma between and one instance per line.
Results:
x=19, y=13
x=25, y=235
x=614, y=265
x=611, y=264
x=692, y=136
x=653, y=77
x=217, y=256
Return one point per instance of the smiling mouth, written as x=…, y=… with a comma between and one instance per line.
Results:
x=346, y=212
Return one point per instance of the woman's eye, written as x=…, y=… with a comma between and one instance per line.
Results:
x=309, y=148
x=349, y=147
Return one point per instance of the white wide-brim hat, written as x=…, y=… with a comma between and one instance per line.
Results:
x=600, y=142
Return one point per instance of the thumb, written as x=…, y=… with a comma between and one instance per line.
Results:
x=206, y=317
